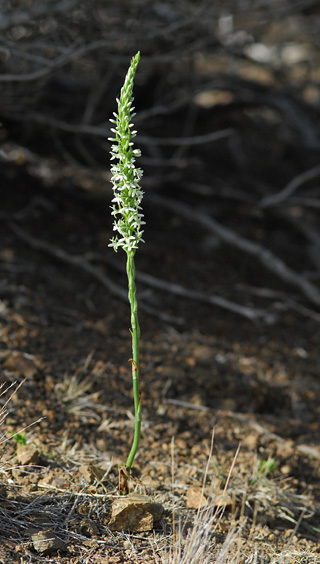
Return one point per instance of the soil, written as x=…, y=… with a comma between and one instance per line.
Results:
x=227, y=404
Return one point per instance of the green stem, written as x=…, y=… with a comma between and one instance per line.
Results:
x=135, y=334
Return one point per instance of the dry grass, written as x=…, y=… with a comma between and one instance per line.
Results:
x=202, y=542
x=74, y=392
x=220, y=534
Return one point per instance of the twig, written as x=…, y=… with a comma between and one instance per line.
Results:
x=3, y=156
x=188, y=405
x=187, y=141
x=23, y=17
x=268, y=259
x=255, y=315
x=70, y=55
x=83, y=264
x=305, y=202
x=221, y=191
x=286, y=303
x=74, y=260
x=252, y=314
x=291, y=187
x=100, y=131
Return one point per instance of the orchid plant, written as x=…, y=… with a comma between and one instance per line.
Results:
x=128, y=222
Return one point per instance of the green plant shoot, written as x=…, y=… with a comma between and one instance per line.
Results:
x=128, y=221
x=19, y=437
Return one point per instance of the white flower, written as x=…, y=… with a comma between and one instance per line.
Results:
x=125, y=176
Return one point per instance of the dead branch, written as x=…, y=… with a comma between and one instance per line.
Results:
x=23, y=17
x=290, y=188
x=186, y=141
x=268, y=259
x=187, y=405
x=70, y=55
x=102, y=131
x=313, y=203
x=253, y=314
x=83, y=264
x=282, y=303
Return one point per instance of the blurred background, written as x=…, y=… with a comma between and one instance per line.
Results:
x=227, y=96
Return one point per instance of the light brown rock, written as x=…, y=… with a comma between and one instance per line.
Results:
x=46, y=542
x=134, y=513
x=27, y=454
x=196, y=498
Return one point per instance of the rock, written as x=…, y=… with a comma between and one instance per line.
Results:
x=134, y=513
x=56, y=479
x=196, y=498
x=90, y=472
x=27, y=454
x=46, y=542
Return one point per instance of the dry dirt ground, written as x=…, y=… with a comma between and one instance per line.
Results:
x=65, y=346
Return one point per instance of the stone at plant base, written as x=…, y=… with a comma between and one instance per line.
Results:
x=27, y=454
x=46, y=542
x=134, y=513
